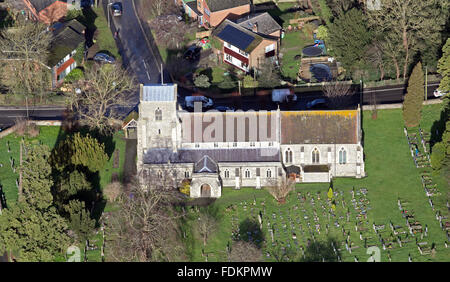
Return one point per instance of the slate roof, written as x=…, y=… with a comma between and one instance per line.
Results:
x=238, y=36
x=319, y=127
x=161, y=156
x=236, y=126
x=218, y=5
x=159, y=92
x=266, y=24
x=193, y=6
x=206, y=164
x=66, y=38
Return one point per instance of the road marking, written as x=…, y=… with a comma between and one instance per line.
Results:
x=146, y=70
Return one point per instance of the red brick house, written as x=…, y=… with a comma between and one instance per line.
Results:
x=47, y=11
x=250, y=41
x=210, y=13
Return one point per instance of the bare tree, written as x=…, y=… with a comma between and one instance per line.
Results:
x=206, y=225
x=144, y=228
x=279, y=189
x=23, y=57
x=112, y=191
x=104, y=90
x=242, y=251
x=338, y=93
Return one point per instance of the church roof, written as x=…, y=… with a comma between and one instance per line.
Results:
x=205, y=164
x=319, y=127
x=236, y=126
x=225, y=155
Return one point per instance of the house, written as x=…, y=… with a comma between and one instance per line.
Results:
x=247, y=44
x=49, y=11
x=238, y=149
x=67, y=37
x=210, y=13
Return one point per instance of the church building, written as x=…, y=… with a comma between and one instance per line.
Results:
x=211, y=150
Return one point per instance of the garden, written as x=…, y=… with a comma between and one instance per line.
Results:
x=388, y=209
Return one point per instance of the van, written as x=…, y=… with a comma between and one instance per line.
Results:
x=191, y=100
x=283, y=96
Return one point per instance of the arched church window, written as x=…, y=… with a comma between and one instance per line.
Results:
x=158, y=114
x=315, y=156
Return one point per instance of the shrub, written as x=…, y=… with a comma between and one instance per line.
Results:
x=112, y=191
x=185, y=187
x=75, y=75
x=202, y=81
x=438, y=155
x=322, y=32
x=249, y=82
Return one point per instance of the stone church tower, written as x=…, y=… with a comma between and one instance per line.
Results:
x=159, y=126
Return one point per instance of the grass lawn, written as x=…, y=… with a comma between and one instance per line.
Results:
x=391, y=175
x=104, y=38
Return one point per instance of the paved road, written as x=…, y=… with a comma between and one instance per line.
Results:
x=384, y=95
x=135, y=46
x=9, y=115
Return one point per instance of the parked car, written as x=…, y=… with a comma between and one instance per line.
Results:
x=117, y=9
x=191, y=100
x=192, y=53
x=224, y=108
x=439, y=93
x=317, y=103
x=104, y=58
x=283, y=96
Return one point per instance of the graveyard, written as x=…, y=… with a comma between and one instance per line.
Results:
x=400, y=207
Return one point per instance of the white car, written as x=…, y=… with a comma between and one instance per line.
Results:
x=439, y=93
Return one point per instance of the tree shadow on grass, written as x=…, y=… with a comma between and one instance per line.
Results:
x=438, y=127
x=250, y=231
x=321, y=251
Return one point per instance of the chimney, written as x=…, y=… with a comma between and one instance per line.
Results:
x=255, y=27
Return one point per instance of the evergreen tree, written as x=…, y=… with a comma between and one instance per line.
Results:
x=412, y=104
x=80, y=220
x=32, y=228
x=36, y=180
x=31, y=234
x=80, y=150
x=349, y=37
x=444, y=67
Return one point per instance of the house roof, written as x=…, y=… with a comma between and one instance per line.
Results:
x=319, y=127
x=66, y=38
x=238, y=36
x=40, y=5
x=235, y=126
x=161, y=156
x=159, y=92
x=193, y=6
x=265, y=23
x=218, y=5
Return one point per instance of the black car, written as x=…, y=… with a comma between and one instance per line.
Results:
x=104, y=58
x=117, y=8
x=320, y=103
x=193, y=53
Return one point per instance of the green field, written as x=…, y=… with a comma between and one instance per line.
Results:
x=391, y=175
